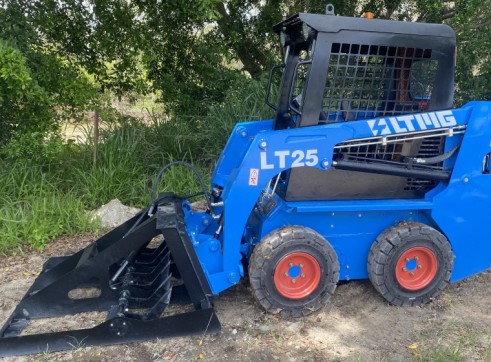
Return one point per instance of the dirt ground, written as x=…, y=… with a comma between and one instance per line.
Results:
x=358, y=325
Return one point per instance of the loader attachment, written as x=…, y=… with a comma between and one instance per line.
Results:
x=127, y=274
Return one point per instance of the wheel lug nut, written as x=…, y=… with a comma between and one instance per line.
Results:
x=294, y=281
x=407, y=259
x=416, y=258
x=411, y=273
x=286, y=274
x=404, y=269
x=302, y=275
x=290, y=265
x=419, y=266
x=301, y=265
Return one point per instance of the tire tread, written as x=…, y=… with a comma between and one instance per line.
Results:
x=272, y=244
x=391, y=240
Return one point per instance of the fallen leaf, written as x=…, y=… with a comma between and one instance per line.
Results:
x=201, y=356
x=26, y=274
x=413, y=346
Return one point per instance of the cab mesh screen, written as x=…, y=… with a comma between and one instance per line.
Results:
x=369, y=81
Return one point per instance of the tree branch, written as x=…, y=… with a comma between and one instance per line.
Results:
x=449, y=14
x=223, y=11
x=245, y=48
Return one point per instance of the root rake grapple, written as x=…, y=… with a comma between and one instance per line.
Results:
x=133, y=285
x=365, y=172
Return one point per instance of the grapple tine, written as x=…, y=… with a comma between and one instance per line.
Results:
x=148, y=255
x=135, y=288
x=147, y=268
x=146, y=296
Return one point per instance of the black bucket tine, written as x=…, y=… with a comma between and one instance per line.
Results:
x=148, y=255
x=160, y=306
x=143, y=270
x=153, y=262
x=134, y=288
x=152, y=299
x=149, y=299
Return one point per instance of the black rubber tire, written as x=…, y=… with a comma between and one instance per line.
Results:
x=388, y=248
x=281, y=243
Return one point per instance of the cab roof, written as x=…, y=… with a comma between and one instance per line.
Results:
x=336, y=24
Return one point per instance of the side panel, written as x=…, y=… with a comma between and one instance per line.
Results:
x=236, y=147
x=462, y=210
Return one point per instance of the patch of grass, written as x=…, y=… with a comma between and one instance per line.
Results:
x=486, y=349
x=33, y=211
x=129, y=157
x=454, y=341
x=41, y=201
x=445, y=354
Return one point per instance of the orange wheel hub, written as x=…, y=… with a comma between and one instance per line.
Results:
x=297, y=275
x=416, y=268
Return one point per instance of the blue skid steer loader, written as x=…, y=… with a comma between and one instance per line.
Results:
x=366, y=171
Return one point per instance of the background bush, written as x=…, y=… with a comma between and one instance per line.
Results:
x=25, y=110
x=45, y=197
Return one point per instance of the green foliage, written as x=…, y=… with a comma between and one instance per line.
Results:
x=70, y=90
x=42, y=79
x=102, y=36
x=473, y=28
x=32, y=146
x=24, y=105
x=243, y=102
x=192, y=52
x=37, y=90
x=43, y=198
x=201, y=48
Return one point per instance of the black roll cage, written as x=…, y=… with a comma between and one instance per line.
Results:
x=323, y=32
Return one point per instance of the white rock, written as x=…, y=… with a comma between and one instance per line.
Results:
x=114, y=213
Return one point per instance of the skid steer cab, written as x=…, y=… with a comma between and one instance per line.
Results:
x=365, y=171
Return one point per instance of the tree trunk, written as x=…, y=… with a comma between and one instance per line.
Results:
x=246, y=49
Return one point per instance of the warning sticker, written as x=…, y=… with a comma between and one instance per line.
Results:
x=253, y=176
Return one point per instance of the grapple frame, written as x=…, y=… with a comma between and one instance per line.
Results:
x=129, y=277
